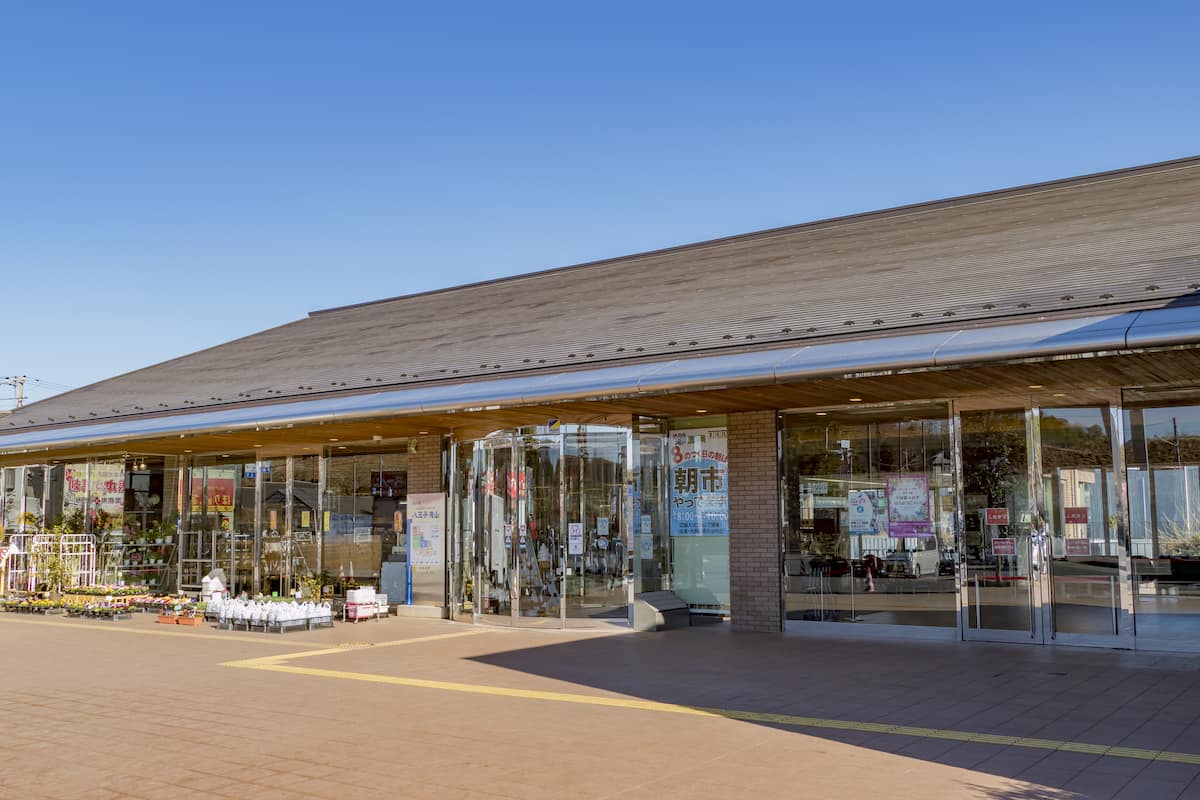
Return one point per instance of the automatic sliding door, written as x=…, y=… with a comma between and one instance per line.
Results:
x=1081, y=538
x=998, y=592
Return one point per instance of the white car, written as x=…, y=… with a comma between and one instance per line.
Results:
x=917, y=562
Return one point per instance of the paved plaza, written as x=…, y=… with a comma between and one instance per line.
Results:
x=428, y=709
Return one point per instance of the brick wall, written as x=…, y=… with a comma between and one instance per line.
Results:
x=425, y=465
x=754, y=533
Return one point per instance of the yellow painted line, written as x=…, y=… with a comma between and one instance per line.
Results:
x=347, y=648
x=276, y=664
x=120, y=627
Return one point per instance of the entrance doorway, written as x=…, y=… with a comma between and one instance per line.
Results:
x=548, y=512
x=1043, y=556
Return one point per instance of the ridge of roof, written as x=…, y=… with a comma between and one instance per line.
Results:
x=925, y=206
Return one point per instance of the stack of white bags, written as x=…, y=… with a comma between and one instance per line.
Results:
x=257, y=612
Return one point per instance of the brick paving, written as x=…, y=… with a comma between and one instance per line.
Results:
x=130, y=710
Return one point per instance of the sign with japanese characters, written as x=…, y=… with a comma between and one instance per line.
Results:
x=908, y=506
x=1078, y=547
x=867, y=512
x=217, y=491
x=574, y=538
x=996, y=516
x=1004, y=547
x=699, y=482
x=1075, y=515
x=426, y=532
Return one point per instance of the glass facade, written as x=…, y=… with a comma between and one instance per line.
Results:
x=1026, y=519
x=868, y=516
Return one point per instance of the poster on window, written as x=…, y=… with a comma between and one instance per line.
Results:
x=867, y=512
x=427, y=532
x=699, y=483
x=217, y=493
x=908, y=506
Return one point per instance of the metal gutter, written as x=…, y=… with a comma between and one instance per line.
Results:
x=1178, y=325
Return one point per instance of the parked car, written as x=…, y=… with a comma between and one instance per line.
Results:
x=915, y=563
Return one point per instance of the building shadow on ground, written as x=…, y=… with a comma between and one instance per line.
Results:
x=1101, y=697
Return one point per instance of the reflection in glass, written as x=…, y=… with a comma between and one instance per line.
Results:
x=1163, y=460
x=868, y=510
x=995, y=544
x=1080, y=523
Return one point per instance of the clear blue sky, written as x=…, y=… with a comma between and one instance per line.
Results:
x=175, y=175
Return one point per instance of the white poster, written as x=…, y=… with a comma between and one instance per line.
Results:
x=427, y=532
x=699, y=482
x=646, y=547
x=602, y=526
x=865, y=513
x=647, y=524
x=574, y=538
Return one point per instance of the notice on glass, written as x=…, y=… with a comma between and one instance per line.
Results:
x=602, y=526
x=427, y=532
x=1004, y=547
x=699, y=482
x=646, y=524
x=865, y=514
x=908, y=506
x=646, y=547
x=574, y=538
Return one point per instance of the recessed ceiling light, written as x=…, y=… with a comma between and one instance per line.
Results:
x=187, y=451
x=341, y=447
x=855, y=399
x=422, y=432
x=701, y=410
x=1060, y=394
x=258, y=445
x=225, y=455
x=821, y=413
x=335, y=440
x=1036, y=386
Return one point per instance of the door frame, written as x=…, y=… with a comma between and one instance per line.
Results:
x=1041, y=600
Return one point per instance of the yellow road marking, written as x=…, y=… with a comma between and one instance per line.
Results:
x=278, y=664
x=118, y=627
x=267, y=660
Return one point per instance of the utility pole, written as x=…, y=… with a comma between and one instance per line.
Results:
x=17, y=382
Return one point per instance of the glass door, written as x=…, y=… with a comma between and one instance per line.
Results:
x=1000, y=593
x=496, y=491
x=538, y=543
x=594, y=463
x=1080, y=537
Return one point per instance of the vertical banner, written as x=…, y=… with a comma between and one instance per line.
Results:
x=427, y=548
x=699, y=482
x=107, y=490
x=908, y=506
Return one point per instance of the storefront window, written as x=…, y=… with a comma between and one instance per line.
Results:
x=868, y=516
x=365, y=514
x=698, y=490
x=1163, y=460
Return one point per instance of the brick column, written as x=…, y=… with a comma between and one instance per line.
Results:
x=425, y=465
x=754, y=534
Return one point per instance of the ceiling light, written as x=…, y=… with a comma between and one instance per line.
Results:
x=701, y=410
x=1060, y=394
x=1036, y=386
x=335, y=440
x=422, y=432
x=341, y=447
x=187, y=451
x=821, y=413
x=855, y=399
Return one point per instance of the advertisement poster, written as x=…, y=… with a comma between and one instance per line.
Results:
x=699, y=482
x=222, y=484
x=908, y=506
x=427, y=532
x=867, y=512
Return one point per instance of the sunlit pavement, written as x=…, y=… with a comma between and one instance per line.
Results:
x=425, y=709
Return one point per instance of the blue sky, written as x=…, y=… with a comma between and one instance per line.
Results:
x=175, y=175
